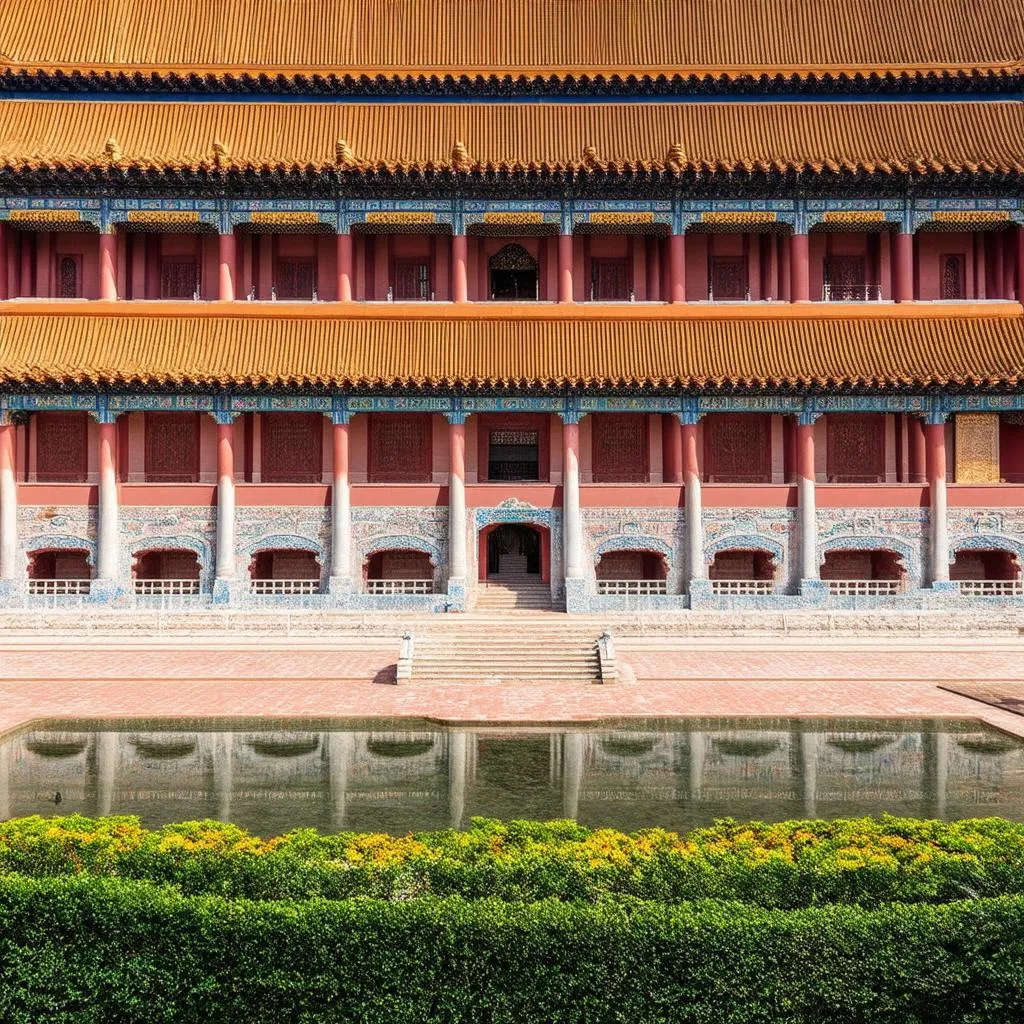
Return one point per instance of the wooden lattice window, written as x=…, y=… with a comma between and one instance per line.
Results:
x=619, y=447
x=609, y=280
x=845, y=278
x=400, y=448
x=412, y=281
x=172, y=447
x=738, y=448
x=291, y=448
x=728, y=277
x=62, y=447
x=179, y=279
x=69, y=277
x=952, y=278
x=296, y=279
x=856, y=448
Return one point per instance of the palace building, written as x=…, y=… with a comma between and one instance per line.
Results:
x=470, y=304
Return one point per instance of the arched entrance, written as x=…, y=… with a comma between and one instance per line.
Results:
x=513, y=549
x=513, y=273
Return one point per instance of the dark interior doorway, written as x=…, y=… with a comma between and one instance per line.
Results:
x=513, y=548
x=513, y=273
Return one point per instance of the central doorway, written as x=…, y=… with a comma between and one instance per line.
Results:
x=513, y=274
x=513, y=550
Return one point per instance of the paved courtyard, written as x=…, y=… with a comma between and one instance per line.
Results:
x=99, y=678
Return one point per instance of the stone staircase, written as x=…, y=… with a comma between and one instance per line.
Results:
x=486, y=650
x=514, y=589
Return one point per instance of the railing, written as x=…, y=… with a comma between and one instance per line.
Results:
x=632, y=588
x=992, y=588
x=864, y=588
x=741, y=588
x=166, y=588
x=58, y=588
x=851, y=293
x=389, y=587
x=283, y=588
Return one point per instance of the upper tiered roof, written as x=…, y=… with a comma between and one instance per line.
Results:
x=885, y=137
x=545, y=40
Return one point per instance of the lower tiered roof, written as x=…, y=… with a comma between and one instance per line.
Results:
x=732, y=348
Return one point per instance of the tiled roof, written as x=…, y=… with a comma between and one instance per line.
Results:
x=549, y=38
x=928, y=136
x=597, y=347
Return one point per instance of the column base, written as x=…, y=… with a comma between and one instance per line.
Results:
x=340, y=586
x=946, y=586
x=226, y=591
x=12, y=593
x=108, y=592
x=699, y=591
x=814, y=592
x=456, y=594
x=577, y=601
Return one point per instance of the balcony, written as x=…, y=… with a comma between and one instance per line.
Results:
x=283, y=588
x=992, y=588
x=58, y=588
x=390, y=588
x=865, y=588
x=166, y=588
x=632, y=588
x=851, y=293
x=742, y=588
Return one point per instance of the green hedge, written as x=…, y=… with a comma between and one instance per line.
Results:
x=865, y=862
x=87, y=949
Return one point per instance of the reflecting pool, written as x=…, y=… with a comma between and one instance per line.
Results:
x=397, y=776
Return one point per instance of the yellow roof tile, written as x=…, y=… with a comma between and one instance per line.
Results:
x=764, y=136
x=514, y=37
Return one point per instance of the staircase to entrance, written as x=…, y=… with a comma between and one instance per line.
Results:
x=514, y=589
x=484, y=649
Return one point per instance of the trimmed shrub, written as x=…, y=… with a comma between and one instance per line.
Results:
x=865, y=861
x=88, y=949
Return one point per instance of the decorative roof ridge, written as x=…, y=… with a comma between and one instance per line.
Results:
x=517, y=312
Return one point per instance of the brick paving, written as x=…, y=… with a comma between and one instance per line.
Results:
x=252, y=678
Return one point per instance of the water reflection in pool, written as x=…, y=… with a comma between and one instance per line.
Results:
x=398, y=777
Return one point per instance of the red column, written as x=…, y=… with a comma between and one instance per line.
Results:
x=690, y=456
x=108, y=266
x=25, y=289
x=903, y=267
x=565, y=268
x=915, y=450
x=673, y=449
x=345, y=266
x=1008, y=264
x=1020, y=263
x=754, y=266
x=800, y=268
x=677, y=268
x=226, y=268
x=3, y=261
x=460, y=269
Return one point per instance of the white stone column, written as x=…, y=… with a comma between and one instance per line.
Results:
x=806, y=499
x=225, y=546
x=456, y=504
x=935, y=461
x=108, y=537
x=572, y=518
x=8, y=504
x=341, y=511
x=572, y=773
x=457, y=761
x=695, y=562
